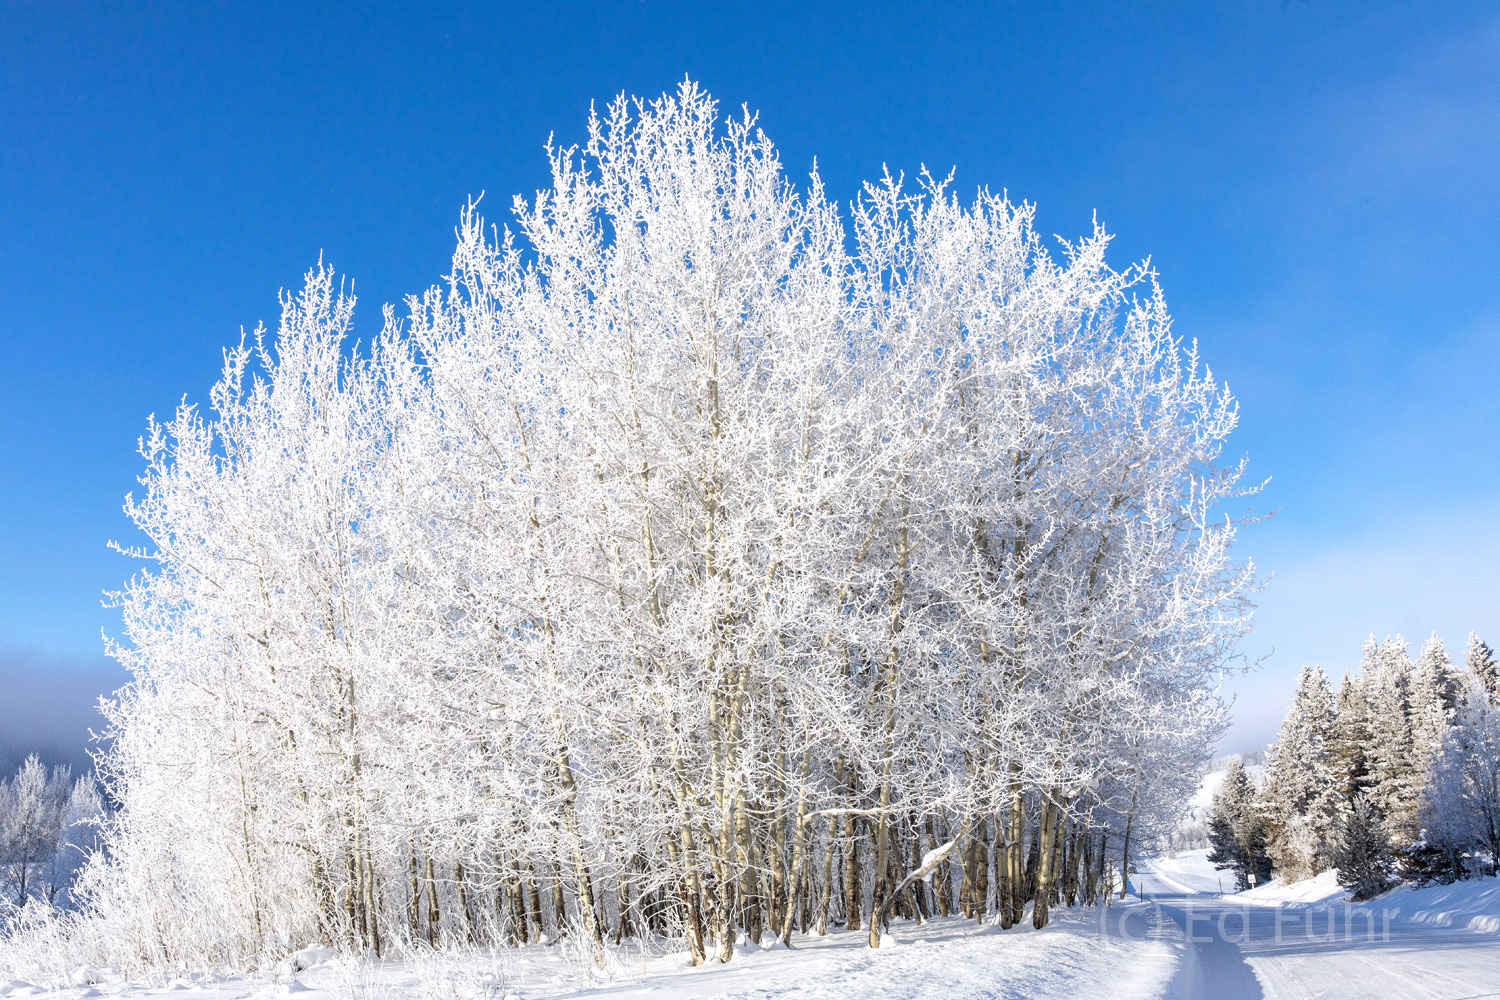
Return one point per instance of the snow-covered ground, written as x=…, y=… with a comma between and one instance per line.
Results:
x=1077, y=955
x=1191, y=873
x=1176, y=936
x=1322, y=888
x=1472, y=906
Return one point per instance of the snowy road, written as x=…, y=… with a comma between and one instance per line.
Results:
x=1247, y=950
x=1243, y=952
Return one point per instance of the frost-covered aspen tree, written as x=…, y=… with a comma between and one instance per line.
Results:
x=34, y=819
x=246, y=643
x=698, y=558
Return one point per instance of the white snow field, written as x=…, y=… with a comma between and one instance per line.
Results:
x=1077, y=955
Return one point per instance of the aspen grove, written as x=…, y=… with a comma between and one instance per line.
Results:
x=700, y=560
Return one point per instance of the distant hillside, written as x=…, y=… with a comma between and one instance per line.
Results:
x=1192, y=832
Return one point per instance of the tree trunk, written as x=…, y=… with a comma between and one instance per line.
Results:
x=1125, y=850
x=434, y=921
x=825, y=892
x=1048, y=837
x=853, y=901
x=799, y=839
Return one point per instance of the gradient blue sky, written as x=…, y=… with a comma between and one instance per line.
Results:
x=1316, y=182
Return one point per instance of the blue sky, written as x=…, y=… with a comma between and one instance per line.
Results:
x=1316, y=182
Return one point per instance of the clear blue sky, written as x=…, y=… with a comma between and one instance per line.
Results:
x=1316, y=181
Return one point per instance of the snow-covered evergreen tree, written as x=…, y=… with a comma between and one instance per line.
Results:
x=1435, y=673
x=1397, y=777
x=1363, y=855
x=1431, y=703
x=1302, y=787
x=1481, y=664
x=1415, y=748
x=1461, y=803
x=1237, y=830
x=1424, y=854
x=1352, y=736
x=1433, y=695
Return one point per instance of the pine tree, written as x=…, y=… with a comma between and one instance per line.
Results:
x=1302, y=788
x=1461, y=803
x=1480, y=660
x=1396, y=788
x=1429, y=862
x=1236, y=829
x=1363, y=857
x=1351, y=747
x=1430, y=706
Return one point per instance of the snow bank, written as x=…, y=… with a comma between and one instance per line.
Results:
x=1472, y=905
x=1322, y=888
